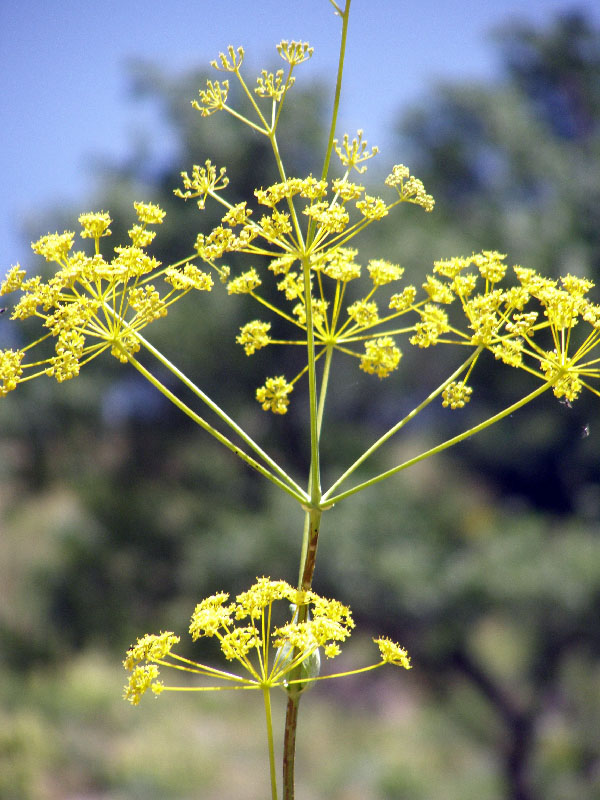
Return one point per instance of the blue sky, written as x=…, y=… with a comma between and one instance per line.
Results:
x=64, y=87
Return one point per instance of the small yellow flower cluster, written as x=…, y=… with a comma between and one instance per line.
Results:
x=381, y=356
x=90, y=304
x=272, y=85
x=530, y=325
x=247, y=633
x=204, y=181
x=409, y=188
x=456, y=394
x=254, y=335
x=391, y=653
x=354, y=152
x=273, y=396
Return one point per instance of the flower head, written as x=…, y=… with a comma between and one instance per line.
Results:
x=270, y=653
x=91, y=304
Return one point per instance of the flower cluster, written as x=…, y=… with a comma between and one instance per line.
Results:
x=312, y=265
x=91, y=304
x=530, y=324
x=247, y=633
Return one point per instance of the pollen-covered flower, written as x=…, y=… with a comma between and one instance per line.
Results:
x=438, y=292
x=404, y=299
x=270, y=614
x=150, y=647
x=340, y=264
x=10, y=370
x=189, y=278
x=332, y=218
x=244, y=283
x=491, y=265
x=409, y=188
x=381, y=356
x=54, y=246
x=347, y=190
x=210, y=615
x=392, y=653
x=364, y=313
x=95, y=224
x=254, y=335
x=149, y=213
x=292, y=285
x=382, y=271
x=13, y=280
x=142, y=678
x=434, y=323
x=372, y=207
x=273, y=396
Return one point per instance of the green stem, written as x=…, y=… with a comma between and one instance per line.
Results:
x=297, y=490
x=345, y=15
x=213, y=431
x=313, y=519
x=314, y=490
x=443, y=446
x=267, y=699
x=399, y=425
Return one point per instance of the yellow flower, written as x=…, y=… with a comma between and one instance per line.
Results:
x=382, y=271
x=409, y=188
x=273, y=396
x=456, y=394
x=271, y=85
x=381, y=356
x=438, y=292
x=404, y=300
x=149, y=213
x=352, y=153
x=254, y=335
x=372, y=207
x=141, y=679
x=364, y=313
x=246, y=633
x=213, y=98
x=95, y=225
x=210, y=615
x=150, y=648
x=13, y=280
x=54, y=246
x=244, y=283
x=10, y=370
x=434, y=323
x=392, y=653
x=91, y=305
x=294, y=52
x=204, y=181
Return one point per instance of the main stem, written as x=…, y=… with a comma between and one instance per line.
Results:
x=313, y=509
x=291, y=716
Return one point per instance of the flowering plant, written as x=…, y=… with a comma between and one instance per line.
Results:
x=298, y=232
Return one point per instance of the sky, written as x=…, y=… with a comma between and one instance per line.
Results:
x=64, y=87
